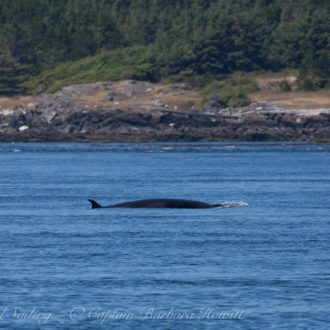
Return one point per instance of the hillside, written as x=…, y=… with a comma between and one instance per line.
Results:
x=46, y=45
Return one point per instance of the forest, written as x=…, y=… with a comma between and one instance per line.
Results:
x=47, y=42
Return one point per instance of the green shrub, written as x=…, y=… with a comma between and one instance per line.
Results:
x=312, y=83
x=307, y=85
x=233, y=91
x=285, y=86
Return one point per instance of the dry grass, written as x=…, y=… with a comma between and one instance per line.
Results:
x=180, y=99
x=184, y=99
x=12, y=102
x=295, y=100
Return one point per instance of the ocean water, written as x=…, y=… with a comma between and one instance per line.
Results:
x=261, y=266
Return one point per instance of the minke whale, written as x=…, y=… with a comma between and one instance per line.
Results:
x=160, y=203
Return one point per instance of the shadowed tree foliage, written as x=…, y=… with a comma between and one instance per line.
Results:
x=12, y=74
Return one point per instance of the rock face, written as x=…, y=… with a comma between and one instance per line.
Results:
x=142, y=112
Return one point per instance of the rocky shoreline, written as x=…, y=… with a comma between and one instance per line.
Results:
x=132, y=111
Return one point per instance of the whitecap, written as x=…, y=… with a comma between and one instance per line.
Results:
x=233, y=204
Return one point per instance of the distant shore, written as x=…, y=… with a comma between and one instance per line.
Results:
x=131, y=111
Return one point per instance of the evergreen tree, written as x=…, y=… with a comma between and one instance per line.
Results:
x=12, y=74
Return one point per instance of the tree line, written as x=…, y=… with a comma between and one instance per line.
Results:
x=186, y=38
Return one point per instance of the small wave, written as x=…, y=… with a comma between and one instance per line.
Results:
x=233, y=204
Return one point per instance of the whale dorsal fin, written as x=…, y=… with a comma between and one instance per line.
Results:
x=94, y=205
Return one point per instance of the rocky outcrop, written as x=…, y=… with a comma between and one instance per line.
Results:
x=138, y=112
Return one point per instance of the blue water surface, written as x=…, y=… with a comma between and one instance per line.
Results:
x=262, y=266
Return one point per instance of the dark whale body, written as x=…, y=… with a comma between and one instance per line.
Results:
x=159, y=203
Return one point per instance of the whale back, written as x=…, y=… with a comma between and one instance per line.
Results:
x=168, y=203
x=158, y=203
x=164, y=203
